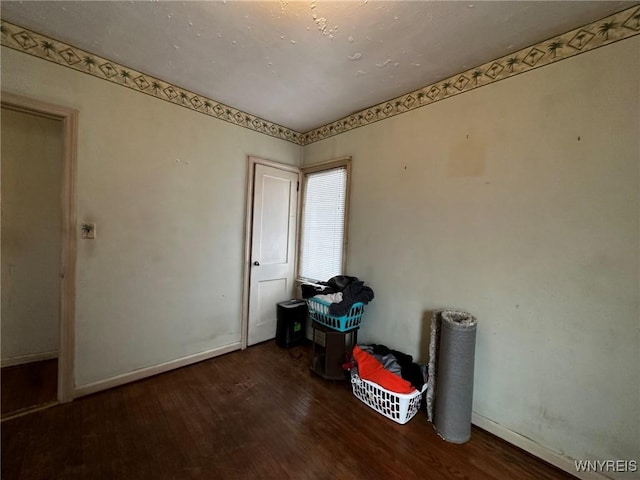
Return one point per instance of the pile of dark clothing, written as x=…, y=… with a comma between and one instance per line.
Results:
x=399, y=363
x=351, y=291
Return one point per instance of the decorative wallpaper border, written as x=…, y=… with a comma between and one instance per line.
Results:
x=602, y=32
x=38, y=45
x=611, y=29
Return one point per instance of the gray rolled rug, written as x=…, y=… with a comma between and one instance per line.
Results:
x=451, y=364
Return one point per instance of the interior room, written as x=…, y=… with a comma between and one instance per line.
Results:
x=493, y=166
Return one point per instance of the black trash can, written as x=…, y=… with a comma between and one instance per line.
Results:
x=292, y=322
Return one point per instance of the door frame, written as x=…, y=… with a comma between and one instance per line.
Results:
x=248, y=224
x=69, y=119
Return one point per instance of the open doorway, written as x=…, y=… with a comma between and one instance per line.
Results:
x=31, y=251
x=37, y=254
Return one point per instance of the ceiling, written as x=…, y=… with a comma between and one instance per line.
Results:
x=303, y=64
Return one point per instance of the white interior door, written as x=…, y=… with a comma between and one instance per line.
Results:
x=275, y=206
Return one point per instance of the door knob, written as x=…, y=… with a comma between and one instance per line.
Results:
x=256, y=263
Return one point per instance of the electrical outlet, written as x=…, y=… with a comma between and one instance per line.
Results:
x=88, y=231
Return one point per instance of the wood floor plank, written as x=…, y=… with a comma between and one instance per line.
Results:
x=258, y=413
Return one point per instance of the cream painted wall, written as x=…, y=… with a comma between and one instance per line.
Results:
x=31, y=235
x=518, y=202
x=166, y=189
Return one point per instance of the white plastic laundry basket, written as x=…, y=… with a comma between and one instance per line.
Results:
x=399, y=407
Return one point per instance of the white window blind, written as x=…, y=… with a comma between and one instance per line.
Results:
x=323, y=224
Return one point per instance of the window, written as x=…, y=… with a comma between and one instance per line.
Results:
x=323, y=226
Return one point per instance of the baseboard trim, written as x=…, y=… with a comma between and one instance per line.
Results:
x=27, y=411
x=556, y=459
x=29, y=358
x=142, y=373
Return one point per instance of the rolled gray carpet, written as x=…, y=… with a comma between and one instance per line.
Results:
x=454, y=392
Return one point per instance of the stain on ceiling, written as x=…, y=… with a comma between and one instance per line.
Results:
x=303, y=64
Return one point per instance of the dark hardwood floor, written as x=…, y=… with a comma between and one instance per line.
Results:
x=29, y=385
x=258, y=413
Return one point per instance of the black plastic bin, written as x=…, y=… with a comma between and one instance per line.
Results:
x=292, y=322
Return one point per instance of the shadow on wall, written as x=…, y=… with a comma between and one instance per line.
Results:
x=425, y=336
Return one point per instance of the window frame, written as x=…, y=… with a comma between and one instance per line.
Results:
x=342, y=162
